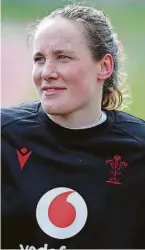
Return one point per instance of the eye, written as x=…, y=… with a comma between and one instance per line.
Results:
x=39, y=59
x=63, y=57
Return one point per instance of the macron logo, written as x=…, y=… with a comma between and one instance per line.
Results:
x=23, y=156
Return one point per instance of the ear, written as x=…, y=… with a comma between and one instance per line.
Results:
x=106, y=68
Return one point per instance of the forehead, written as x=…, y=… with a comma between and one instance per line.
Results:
x=59, y=33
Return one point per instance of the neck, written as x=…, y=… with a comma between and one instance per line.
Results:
x=77, y=119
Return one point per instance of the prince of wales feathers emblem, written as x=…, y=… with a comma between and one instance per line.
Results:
x=116, y=164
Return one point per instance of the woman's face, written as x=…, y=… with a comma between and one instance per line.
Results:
x=64, y=72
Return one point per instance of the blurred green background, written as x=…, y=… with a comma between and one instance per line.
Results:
x=128, y=19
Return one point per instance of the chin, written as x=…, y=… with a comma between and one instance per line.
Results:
x=55, y=109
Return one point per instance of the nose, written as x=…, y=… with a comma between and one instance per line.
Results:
x=49, y=71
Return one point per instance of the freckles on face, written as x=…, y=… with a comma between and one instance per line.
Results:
x=83, y=78
x=36, y=75
x=63, y=35
x=73, y=68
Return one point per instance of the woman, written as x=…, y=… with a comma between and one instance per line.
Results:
x=73, y=166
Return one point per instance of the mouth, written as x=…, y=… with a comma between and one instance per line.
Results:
x=52, y=90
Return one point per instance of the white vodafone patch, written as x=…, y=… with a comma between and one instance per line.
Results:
x=61, y=213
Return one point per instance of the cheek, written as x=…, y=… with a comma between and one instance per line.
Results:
x=36, y=75
x=84, y=85
x=75, y=74
x=82, y=78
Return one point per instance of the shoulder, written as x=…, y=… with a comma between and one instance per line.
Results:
x=130, y=125
x=22, y=111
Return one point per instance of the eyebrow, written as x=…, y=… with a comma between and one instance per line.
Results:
x=37, y=54
x=59, y=51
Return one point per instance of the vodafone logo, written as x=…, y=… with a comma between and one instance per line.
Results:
x=61, y=213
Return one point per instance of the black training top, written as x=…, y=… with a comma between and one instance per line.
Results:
x=81, y=189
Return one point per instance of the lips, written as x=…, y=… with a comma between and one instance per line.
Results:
x=46, y=88
x=52, y=90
